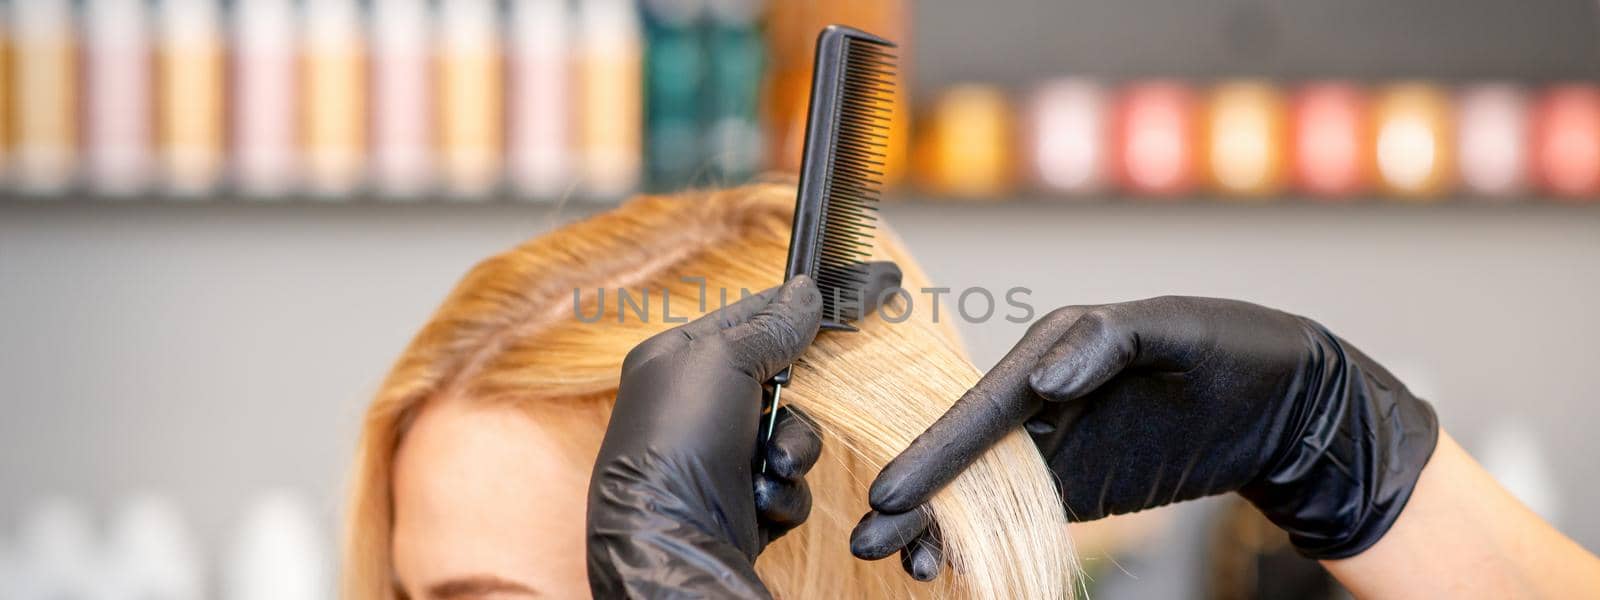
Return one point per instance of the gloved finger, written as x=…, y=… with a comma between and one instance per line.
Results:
x=1107, y=340
x=1045, y=426
x=1095, y=348
x=924, y=558
x=999, y=403
x=675, y=339
x=795, y=446
x=774, y=336
x=781, y=504
x=879, y=534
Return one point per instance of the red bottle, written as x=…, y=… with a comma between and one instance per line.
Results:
x=1329, y=142
x=1565, y=148
x=1154, y=139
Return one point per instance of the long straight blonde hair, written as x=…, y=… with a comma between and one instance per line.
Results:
x=531, y=327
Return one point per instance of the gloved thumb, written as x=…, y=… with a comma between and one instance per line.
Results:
x=780, y=332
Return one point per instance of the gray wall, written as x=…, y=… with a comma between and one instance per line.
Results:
x=1025, y=40
x=212, y=352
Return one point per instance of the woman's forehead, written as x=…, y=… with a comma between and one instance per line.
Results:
x=483, y=488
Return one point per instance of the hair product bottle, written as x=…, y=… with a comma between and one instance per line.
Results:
x=332, y=97
x=1329, y=141
x=966, y=144
x=1154, y=131
x=265, y=157
x=675, y=77
x=7, y=41
x=1412, y=146
x=1492, y=139
x=608, y=65
x=1566, y=141
x=402, y=108
x=541, y=106
x=470, y=107
x=117, y=96
x=191, y=96
x=737, y=57
x=46, y=91
x=1244, y=141
x=1065, y=145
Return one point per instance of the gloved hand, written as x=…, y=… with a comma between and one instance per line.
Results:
x=1141, y=404
x=676, y=505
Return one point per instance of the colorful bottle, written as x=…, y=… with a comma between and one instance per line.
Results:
x=46, y=90
x=966, y=144
x=332, y=97
x=402, y=107
x=1413, y=143
x=263, y=112
x=1245, y=140
x=470, y=108
x=7, y=89
x=1155, y=131
x=192, y=95
x=611, y=118
x=1330, y=140
x=118, y=95
x=541, y=107
x=676, y=66
x=1492, y=139
x=1066, y=139
x=737, y=54
x=1566, y=141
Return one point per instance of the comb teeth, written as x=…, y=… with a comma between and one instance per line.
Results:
x=847, y=131
x=866, y=82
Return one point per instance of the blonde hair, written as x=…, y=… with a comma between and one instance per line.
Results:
x=510, y=332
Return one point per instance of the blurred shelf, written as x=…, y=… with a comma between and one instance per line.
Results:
x=1269, y=203
x=898, y=198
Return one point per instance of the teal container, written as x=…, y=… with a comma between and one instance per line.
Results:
x=675, y=69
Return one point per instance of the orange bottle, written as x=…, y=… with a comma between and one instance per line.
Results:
x=1245, y=141
x=45, y=84
x=471, y=117
x=333, y=109
x=1413, y=141
x=190, y=106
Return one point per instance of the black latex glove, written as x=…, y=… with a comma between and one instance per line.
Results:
x=1145, y=403
x=677, y=507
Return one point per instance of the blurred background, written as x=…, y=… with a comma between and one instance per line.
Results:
x=220, y=220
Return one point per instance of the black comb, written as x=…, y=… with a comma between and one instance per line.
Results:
x=841, y=173
x=841, y=170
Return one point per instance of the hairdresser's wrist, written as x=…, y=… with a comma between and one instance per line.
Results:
x=1357, y=443
x=1462, y=535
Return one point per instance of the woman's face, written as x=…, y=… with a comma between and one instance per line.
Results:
x=489, y=503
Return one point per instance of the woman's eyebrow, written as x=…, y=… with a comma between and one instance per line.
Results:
x=476, y=586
